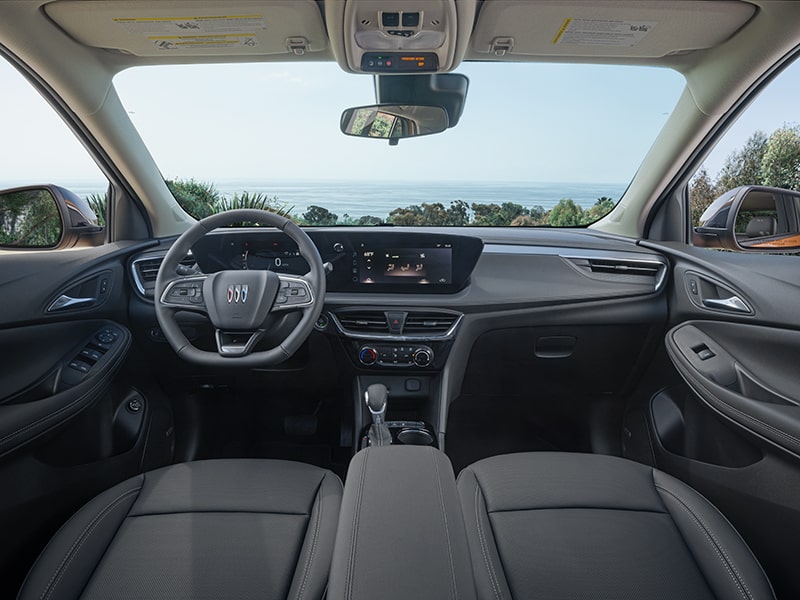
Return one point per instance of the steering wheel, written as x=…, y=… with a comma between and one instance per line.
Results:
x=239, y=303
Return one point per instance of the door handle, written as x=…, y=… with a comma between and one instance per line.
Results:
x=64, y=301
x=733, y=304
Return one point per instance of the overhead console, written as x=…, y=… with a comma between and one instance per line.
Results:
x=399, y=36
x=362, y=261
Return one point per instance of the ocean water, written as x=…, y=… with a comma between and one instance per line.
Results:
x=360, y=198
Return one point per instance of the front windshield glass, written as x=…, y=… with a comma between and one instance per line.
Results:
x=537, y=144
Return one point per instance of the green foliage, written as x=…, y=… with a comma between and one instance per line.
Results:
x=493, y=215
x=197, y=198
x=780, y=165
x=743, y=167
x=702, y=192
x=565, y=214
x=431, y=215
x=29, y=219
x=318, y=215
x=99, y=204
x=598, y=210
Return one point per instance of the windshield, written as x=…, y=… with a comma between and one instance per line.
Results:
x=537, y=144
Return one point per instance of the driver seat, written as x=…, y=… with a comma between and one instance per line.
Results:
x=210, y=529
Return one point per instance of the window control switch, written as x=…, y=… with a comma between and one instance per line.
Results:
x=705, y=354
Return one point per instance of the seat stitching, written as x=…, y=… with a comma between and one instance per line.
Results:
x=453, y=587
x=484, y=549
x=307, y=568
x=90, y=527
x=354, y=529
x=737, y=578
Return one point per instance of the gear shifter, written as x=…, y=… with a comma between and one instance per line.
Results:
x=376, y=400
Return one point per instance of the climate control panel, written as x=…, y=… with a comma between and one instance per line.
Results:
x=389, y=355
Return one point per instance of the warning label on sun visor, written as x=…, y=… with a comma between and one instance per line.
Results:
x=236, y=24
x=597, y=32
x=232, y=40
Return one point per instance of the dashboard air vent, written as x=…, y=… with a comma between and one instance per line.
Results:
x=624, y=270
x=428, y=323
x=145, y=272
x=364, y=321
x=148, y=269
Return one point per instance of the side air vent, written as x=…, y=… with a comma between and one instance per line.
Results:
x=365, y=321
x=429, y=323
x=145, y=272
x=622, y=270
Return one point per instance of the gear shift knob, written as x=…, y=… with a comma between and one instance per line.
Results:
x=376, y=400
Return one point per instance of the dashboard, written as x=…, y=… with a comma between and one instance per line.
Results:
x=361, y=261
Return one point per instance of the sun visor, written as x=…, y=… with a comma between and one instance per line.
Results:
x=153, y=28
x=605, y=29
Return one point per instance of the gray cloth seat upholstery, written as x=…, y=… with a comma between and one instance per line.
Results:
x=579, y=526
x=209, y=529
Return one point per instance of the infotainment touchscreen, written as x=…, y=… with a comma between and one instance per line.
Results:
x=403, y=266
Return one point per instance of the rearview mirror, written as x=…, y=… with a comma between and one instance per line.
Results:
x=393, y=122
x=46, y=216
x=751, y=218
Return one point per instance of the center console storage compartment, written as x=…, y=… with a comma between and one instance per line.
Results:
x=400, y=533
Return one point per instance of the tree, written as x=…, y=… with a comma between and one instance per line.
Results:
x=780, y=165
x=197, y=198
x=702, y=192
x=538, y=215
x=565, y=214
x=743, y=167
x=318, y=215
x=598, y=210
x=494, y=215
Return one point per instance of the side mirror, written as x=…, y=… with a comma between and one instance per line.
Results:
x=751, y=218
x=46, y=216
x=393, y=122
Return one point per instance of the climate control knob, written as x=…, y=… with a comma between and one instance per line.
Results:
x=422, y=357
x=367, y=355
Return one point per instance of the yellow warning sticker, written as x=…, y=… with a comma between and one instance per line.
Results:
x=562, y=29
x=602, y=32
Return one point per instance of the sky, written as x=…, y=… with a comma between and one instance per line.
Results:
x=278, y=122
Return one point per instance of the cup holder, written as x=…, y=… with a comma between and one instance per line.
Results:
x=415, y=437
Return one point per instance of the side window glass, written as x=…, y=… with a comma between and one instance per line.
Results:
x=41, y=159
x=762, y=148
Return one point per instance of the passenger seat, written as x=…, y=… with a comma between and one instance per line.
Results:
x=583, y=526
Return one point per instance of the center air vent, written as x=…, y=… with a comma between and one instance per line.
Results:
x=428, y=323
x=365, y=321
x=420, y=325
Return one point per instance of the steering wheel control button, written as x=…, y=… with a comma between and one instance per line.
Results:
x=134, y=406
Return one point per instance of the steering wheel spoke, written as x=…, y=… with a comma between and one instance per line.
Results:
x=294, y=293
x=185, y=293
x=237, y=343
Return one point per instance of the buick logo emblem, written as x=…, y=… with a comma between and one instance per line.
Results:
x=237, y=293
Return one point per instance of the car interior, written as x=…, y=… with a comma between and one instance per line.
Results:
x=246, y=406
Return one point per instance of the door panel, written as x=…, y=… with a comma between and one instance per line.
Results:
x=731, y=426
x=747, y=373
x=78, y=412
